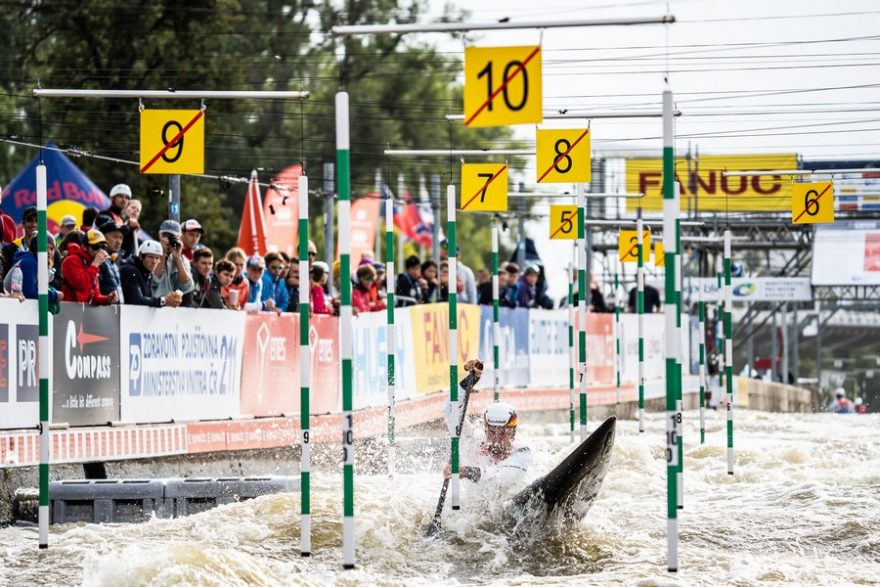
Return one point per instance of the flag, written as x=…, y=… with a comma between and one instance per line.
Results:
x=408, y=220
x=281, y=211
x=252, y=230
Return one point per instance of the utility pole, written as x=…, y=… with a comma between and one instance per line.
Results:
x=329, y=193
x=435, y=209
x=174, y=197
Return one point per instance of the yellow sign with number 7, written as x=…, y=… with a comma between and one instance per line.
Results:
x=484, y=187
x=564, y=222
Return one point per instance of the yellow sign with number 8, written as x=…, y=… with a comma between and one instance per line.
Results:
x=812, y=203
x=484, y=187
x=564, y=222
x=563, y=155
x=502, y=86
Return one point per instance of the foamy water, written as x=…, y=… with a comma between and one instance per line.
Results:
x=802, y=509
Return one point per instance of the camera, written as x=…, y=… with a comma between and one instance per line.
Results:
x=173, y=241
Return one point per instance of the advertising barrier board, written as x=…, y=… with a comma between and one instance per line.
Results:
x=19, y=380
x=430, y=342
x=513, y=347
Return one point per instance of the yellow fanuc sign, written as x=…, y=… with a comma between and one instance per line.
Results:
x=715, y=193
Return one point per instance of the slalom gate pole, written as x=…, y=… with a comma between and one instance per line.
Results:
x=679, y=357
x=670, y=217
x=703, y=383
x=343, y=184
x=640, y=303
x=728, y=348
x=617, y=364
x=719, y=319
x=391, y=343
x=583, y=292
x=496, y=326
x=44, y=352
x=452, y=252
x=305, y=363
x=572, y=359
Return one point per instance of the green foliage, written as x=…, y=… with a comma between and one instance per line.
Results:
x=399, y=89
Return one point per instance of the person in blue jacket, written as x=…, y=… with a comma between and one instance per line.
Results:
x=26, y=261
x=274, y=284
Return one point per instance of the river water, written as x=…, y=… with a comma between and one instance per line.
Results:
x=802, y=509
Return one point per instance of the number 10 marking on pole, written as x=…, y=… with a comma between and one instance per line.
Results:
x=502, y=86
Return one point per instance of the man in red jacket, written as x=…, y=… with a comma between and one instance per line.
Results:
x=80, y=271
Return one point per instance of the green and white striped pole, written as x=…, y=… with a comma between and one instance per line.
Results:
x=496, y=324
x=305, y=363
x=640, y=303
x=703, y=384
x=728, y=349
x=679, y=421
x=43, y=353
x=389, y=329
x=453, y=342
x=345, y=323
x=617, y=334
x=719, y=316
x=572, y=359
x=583, y=292
x=670, y=217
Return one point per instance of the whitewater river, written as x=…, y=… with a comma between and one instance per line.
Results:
x=802, y=509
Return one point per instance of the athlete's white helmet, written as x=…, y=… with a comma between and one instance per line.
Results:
x=500, y=414
x=150, y=248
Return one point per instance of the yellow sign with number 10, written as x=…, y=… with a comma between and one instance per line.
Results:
x=484, y=187
x=563, y=222
x=563, y=155
x=812, y=203
x=502, y=86
x=628, y=245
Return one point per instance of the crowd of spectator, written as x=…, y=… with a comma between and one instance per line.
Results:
x=105, y=258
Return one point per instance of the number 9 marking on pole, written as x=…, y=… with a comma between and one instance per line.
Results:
x=502, y=86
x=163, y=136
x=563, y=222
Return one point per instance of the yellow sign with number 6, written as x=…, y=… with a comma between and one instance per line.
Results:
x=564, y=222
x=628, y=246
x=172, y=141
x=563, y=155
x=484, y=187
x=502, y=86
x=812, y=203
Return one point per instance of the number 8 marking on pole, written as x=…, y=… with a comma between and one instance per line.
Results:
x=562, y=155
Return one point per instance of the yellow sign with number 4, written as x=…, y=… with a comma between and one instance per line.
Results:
x=502, y=86
x=484, y=187
x=563, y=155
x=564, y=222
x=812, y=203
x=628, y=246
x=172, y=141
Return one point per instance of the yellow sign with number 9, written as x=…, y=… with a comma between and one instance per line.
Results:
x=502, y=86
x=172, y=141
x=484, y=187
x=564, y=222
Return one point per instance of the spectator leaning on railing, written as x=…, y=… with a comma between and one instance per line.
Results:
x=274, y=285
x=239, y=290
x=317, y=299
x=80, y=270
x=191, y=235
x=224, y=271
x=208, y=290
x=137, y=278
x=360, y=294
x=173, y=273
x=408, y=289
x=26, y=262
x=108, y=274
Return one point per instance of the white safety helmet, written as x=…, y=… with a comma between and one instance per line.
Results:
x=500, y=414
x=150, y=248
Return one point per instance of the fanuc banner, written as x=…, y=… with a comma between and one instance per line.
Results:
x=714, y=192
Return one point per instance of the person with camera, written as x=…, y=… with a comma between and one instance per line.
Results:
x=172, y=274
x=137, y=278
x=108, y=274
x=80, y=269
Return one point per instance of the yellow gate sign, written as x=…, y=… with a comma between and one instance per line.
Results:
x=564, y=222
x=502, y=86
x=484, y=187
x=659, y=259
x=172, y=141
x=812, y=203
x=628, y=245
x=563, y=155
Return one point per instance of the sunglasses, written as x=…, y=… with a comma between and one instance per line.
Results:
x=367, y=278
x=276, y=267
x=313, y=254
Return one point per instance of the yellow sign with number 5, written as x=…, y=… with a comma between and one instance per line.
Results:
x=564, y=222
x=812, y=203
x=502, y=86
x=628, y=243
x=172, y=141
x=563, y=155
x=484, y=187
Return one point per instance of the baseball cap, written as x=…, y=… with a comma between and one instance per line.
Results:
x=192, y=224
x=95, y=237
x=109, y=226
x=531, y=269
x=256, y=262
x=68, y=221
x=170, y=227
x=28, y=212
x=150, y=248
x=120, y=189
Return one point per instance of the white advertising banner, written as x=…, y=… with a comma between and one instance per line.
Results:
x=180, y=364
x=751, y=289
x=19, y=380
x=847, y=253
x=369, y=358
x=654, y=347
x=548, y=344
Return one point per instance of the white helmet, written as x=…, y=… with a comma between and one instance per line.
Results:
x=150, y=248
x=501, y=415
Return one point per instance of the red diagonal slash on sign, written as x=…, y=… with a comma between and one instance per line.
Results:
x=485, y=187
x=504, y=84
x=562, y=156
x=817, y=203
x=555, y=232
x=173, y=141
